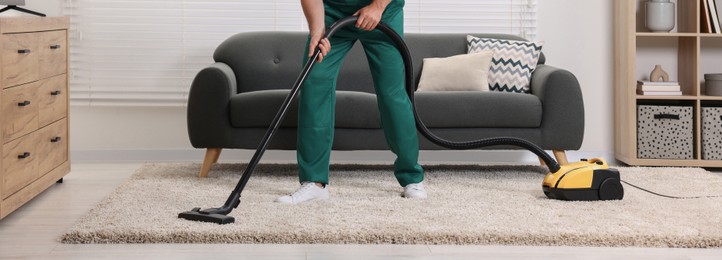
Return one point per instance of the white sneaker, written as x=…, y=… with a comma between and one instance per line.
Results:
x=307, y=192
x=414, y=191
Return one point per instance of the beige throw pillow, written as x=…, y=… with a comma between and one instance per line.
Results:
x=463, y=72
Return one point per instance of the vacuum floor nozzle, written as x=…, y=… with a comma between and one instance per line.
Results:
x=197, y=215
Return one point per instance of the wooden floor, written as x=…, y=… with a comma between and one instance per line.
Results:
x=32, y=232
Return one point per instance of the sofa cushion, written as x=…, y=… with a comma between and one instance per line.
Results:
x=456, y=73
x=258, y=108
x=359, y=109
x=460, y=109
x=512, y=64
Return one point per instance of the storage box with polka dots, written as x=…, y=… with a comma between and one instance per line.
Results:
x=665, y=132
x=712, y=133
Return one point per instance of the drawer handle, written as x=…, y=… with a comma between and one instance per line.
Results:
x=55, y=93
x=24, y=103
x=24, y=155
x=54, y=47
x=23, y=51
x=55, y=139
x=666, y=116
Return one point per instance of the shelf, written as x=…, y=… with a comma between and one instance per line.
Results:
x=676, y=55
x=683, y=97
x=704, y=35
x=719, y=98
x=671, y=162
x=652, y=34
x=687, y=54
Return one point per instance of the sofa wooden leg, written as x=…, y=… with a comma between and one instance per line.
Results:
x=216, y=155
x=541, y=161
x=212, y=155
x=561, y=157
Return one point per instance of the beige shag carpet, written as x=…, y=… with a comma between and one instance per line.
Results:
x=484, y=205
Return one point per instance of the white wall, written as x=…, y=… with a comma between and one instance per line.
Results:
x=577, y=35
x=48, y=7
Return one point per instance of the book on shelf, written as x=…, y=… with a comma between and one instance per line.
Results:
x=659, y=93
x=718, y=8
x=705, y=22
x=657, y=83
x=713, y=16
x=710, y=16
x=658, y=86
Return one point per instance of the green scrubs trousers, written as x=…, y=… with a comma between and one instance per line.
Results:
x=318, y=96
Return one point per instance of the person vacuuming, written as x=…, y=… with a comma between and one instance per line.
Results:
x=318, y=98
x=587, y=180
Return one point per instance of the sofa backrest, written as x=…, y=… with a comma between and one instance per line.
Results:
x=273, y=60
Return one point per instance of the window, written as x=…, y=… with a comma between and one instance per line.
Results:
x=146, y=52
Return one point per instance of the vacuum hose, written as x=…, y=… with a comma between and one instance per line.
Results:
x=411, y=88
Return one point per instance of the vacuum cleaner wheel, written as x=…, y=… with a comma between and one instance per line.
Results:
x=611, y=189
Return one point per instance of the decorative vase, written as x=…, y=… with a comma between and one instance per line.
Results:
x=660, y=15
x=658, y=74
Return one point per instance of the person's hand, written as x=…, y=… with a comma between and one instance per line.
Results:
x=369, y=17
x=322, y=43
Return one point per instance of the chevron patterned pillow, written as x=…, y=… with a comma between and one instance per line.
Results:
x=512, y=64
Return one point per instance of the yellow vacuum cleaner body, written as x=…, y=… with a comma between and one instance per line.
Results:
x=586, y=180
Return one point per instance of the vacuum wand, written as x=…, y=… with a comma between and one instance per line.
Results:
x=220, y=215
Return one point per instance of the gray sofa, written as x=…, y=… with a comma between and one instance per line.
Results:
x=233, y=101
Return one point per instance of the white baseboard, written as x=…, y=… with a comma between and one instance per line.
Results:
x=362, y=157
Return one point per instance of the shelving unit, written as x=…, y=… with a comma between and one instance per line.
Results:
x=682, y=54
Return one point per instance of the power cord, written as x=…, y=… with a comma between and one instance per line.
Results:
x=671, y=197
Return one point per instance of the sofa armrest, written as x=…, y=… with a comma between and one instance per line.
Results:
x=209, y=121
x=563, y=107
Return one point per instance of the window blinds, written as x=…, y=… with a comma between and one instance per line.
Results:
x=146, y=52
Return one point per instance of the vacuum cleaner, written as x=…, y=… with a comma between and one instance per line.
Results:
x=586, y=180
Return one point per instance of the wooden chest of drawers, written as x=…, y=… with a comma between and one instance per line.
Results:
x=33, y=107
